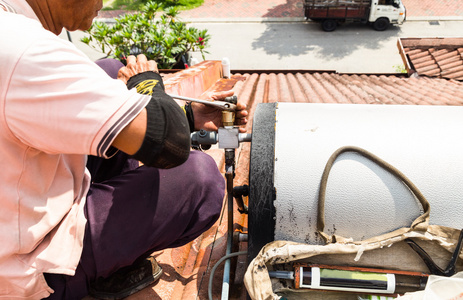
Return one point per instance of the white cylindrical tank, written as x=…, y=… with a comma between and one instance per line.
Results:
x=362, y=199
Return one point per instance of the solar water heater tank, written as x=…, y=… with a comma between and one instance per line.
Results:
x=292, y=142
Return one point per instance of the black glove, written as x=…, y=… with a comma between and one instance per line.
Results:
x=167, y=139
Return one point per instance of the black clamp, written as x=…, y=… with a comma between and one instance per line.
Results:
x=238, y=193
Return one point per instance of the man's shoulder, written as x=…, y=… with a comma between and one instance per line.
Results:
x=25, y=42
x=19, y=35
x=18, y=28
x=15, y=19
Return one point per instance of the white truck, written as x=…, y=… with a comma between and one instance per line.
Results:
x=379, y=13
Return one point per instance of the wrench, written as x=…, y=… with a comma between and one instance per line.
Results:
x=223, y=105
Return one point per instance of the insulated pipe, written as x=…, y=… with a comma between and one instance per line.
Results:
x=227, y=266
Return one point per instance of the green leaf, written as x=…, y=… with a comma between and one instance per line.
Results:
x=164, y=39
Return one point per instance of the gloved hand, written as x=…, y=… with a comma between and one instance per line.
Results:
x=167, y=139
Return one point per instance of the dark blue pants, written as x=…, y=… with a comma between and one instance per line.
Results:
x=133, y=211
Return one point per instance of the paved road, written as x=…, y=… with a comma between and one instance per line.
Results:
x=353, y=48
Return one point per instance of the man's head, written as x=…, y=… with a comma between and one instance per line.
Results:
x=70, y=14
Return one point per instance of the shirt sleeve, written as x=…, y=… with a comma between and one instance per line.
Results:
x=59, y=101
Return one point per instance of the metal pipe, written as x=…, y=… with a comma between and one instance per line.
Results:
x=229, y=172
x=227, y=105
x=211, y=278
x=243, y=237
x=244, y=137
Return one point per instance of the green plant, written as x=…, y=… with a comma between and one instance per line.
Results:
x=400, y=69
x=163, y=39
x=137, y=4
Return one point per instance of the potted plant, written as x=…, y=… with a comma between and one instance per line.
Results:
x=164, y=39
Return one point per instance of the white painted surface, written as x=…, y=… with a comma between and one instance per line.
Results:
x=363, y=200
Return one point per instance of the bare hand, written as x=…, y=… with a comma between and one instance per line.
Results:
x=210, y=118
x=136, y=65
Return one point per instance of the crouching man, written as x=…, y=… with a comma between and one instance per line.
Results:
x=79, y=214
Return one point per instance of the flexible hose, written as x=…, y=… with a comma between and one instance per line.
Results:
x=211, y=278
x=386, y=166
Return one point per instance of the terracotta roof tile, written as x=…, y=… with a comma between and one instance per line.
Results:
x=343, y=88
x=434, y=57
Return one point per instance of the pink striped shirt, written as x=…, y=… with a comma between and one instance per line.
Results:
x=56, y=107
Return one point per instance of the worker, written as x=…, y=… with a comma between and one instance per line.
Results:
x=95, y=175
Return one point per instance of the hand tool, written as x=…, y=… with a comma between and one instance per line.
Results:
x=229, y=103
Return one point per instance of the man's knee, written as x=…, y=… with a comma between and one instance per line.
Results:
x=208, y=193
x=110, y=66
x=209, y=177
x=205, y=172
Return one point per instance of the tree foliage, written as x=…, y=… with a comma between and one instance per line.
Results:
x=163, y=38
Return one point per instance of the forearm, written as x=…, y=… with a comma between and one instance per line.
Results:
x=165, y=130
